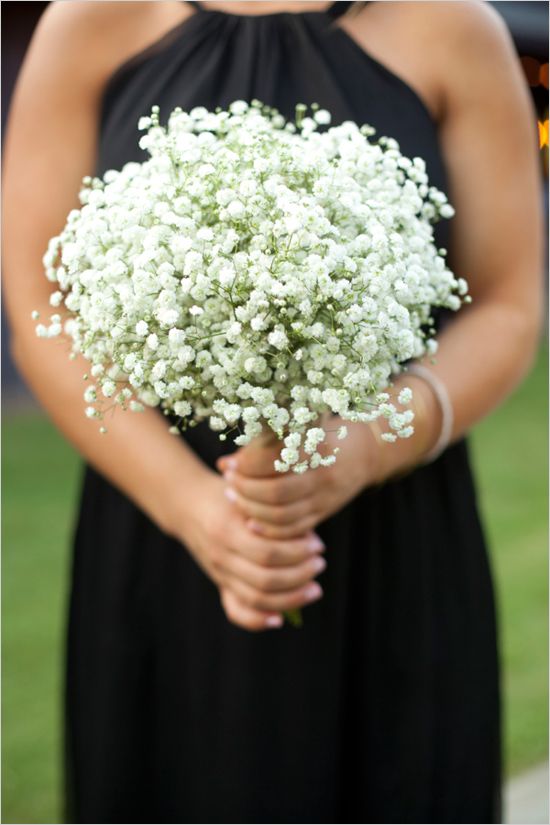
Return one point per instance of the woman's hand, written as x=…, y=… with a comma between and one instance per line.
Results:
x=258, y=577
x=288, y=505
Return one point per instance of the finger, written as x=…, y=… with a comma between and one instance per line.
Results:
x=268, y=553
x=271, y=513
x=245, y=616
x=282, y=489
x=273, y=602
x=272, y=579
x=254, y=460
x=285, y=532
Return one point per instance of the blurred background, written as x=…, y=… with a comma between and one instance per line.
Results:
x=41, y=477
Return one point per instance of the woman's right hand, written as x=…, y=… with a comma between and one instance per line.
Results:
x=258, y=578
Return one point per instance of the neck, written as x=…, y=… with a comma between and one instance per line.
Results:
x=258, y=7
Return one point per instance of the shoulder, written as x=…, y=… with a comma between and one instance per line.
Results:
x=462, y=27
x=468, y=29
x=477, y=59
x=95, y=37
x=457, y=48
x=464, y=35
x=449, y=20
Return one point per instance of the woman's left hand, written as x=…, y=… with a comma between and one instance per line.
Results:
x=285, y=505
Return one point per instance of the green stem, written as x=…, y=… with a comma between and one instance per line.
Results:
x=294, y=617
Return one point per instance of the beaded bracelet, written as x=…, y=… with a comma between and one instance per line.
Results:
x=440, y=392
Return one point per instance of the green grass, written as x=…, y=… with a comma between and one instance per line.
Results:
x=40, y=484
x=510, y=450
x=40, y=475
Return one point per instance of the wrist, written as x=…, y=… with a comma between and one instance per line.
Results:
x=405, y=453
x=181, y=498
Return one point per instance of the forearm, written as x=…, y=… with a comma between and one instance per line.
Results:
x=483, y=354
x=137, y=454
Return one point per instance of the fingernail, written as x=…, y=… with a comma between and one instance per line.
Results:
x=230, y=494
x=315, y=545
x=274, y=621
x=254, y=526
x=229, y=475
x=318, y=564
x=312, y=592
x=231, y=462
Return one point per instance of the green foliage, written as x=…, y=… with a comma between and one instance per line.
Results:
x=40, y=484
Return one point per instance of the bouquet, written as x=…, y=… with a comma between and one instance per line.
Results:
x=259, y=274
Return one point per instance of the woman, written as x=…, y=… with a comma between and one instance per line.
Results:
x=385, y=706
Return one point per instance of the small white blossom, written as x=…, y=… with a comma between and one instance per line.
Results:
x=405, y=395
x=108, y=388
x=56, y=298
x=257, y=274
x=322, y=117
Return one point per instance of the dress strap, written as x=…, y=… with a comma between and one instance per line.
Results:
x=338, y=8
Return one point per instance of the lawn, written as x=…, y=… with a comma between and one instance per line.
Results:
x=40, y=487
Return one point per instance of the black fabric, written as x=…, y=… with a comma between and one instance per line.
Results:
x=385, y=706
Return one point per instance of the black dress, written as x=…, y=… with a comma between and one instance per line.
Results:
x=385, y=706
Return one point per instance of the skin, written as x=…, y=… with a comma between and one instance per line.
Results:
x=452, y=54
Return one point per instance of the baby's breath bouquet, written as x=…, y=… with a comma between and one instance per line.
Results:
x=256, y=273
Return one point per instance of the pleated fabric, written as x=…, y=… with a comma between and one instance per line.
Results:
x=385, y=706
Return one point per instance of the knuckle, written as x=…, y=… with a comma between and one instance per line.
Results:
x=276, y=493
x=267, y=581
x=280, y=515
x=310, y=522
x=269, y=556
x=256, y=600
x=216, y=556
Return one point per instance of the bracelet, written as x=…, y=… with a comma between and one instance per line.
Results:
x=440, y=392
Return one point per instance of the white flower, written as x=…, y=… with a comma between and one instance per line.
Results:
x=322, y=117
x=278, y=339
x=405, y=395
x=236, y=209
x=238, y=107
x=446, y=211
x=205, y=233
x=108, y=388
x=256, y=275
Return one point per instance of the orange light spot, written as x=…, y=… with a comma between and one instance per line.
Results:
x=543, y=133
